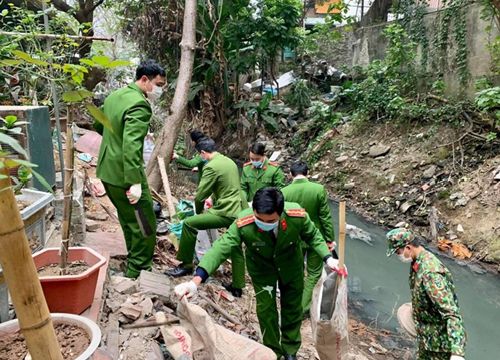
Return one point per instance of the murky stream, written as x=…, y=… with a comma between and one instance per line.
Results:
x=379, y=285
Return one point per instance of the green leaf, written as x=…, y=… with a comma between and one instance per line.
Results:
x=10, y=62
x=87, y=62
x=101, y=60
x=26, y=57
x=99, y=116
x=76, y=95
x=118, y=63
x=5, y=12
x=16, y=162
x=13, y=143
x=42, y=181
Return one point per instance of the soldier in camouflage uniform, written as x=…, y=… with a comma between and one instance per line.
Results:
x=439, y=325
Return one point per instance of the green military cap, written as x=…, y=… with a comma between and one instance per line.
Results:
x=397, y=239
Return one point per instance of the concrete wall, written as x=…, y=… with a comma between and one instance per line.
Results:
x=369, y=44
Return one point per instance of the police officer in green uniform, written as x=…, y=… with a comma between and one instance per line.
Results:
x=273, y=234
x=220, y=181
x=259, y=172
x=196, y=162
x=314, y=199
x=439, y=325
x=121, y=166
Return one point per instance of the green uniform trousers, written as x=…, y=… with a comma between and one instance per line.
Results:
x=205, y=221
x=140, y=249
x=432, y=355
x=288, y=342
x=314, y=267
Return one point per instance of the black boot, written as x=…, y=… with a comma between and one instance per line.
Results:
x=234, y=291
x=179, y=271
x=290, y=357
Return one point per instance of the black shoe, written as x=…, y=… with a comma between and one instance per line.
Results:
x=290, y=357
x=178, y=271
x=234, y=291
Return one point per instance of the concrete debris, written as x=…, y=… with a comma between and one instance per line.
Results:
x=460, y=228
x=430, y=172
x=459, y=199
x=349, y=186
x=379, y=150
x=131, y=311
x=97, y=216
x=147, y=307
x=92, y=225
x=342, y=159
x=156, y=284
x=124, y=285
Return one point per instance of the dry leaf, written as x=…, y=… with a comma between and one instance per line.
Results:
x=444, y=244
x=460, y=251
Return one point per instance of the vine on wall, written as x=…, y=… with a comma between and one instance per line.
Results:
x=450, y=25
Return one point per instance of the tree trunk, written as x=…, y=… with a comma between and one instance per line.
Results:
x=22, y=280
x=377, y=13
x=168, y=136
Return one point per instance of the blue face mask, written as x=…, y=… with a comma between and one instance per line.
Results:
x=266, y=226
x=257, y=164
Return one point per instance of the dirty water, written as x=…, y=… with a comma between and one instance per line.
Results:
x=379, y=285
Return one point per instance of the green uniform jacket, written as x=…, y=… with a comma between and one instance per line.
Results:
x=120, y=160
x=439, y=325
x=196, y=161
x=312, y=197
x=265, y=257
x=220, y=180
x=253, y=179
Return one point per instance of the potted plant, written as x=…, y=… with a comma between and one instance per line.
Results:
x=75, y=289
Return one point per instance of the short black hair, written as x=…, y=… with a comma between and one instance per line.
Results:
x=196, y=135
x=206, y=144
x=299, y=168
x=150, y=68
x=268, y=200
x=258, y=148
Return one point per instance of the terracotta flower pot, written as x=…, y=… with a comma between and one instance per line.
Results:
x=89, y=326
x=69, y=293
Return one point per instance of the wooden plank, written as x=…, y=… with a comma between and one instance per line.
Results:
x=113, y=337
x=166, y=187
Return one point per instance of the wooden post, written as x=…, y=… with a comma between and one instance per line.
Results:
x=341, y=234
x=22, y=280
x=69, y=161
x=166, y=187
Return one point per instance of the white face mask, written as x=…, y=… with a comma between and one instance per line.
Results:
x=155, y=93
x=404, y=259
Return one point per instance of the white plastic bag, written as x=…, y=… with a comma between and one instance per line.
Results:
x=329, y=316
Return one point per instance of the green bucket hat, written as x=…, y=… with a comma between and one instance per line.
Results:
x=397, y=239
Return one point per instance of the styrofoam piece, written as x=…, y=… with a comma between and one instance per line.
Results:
x=38, y=200
x=88, y=325
x=275, y=155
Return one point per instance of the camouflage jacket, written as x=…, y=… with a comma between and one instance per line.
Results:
x=439, y=325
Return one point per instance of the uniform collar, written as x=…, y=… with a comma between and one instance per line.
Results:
x=415, y=265
x=136, y=88
x=300, y=181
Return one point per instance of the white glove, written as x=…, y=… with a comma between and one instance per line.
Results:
x=456, y=357
x=134, y=193
x=187, y=289
x=175, y=156
x=334, y=265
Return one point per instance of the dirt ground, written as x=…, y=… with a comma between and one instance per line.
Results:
x=420, y=171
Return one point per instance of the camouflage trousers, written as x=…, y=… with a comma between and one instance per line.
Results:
x=432, y=355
